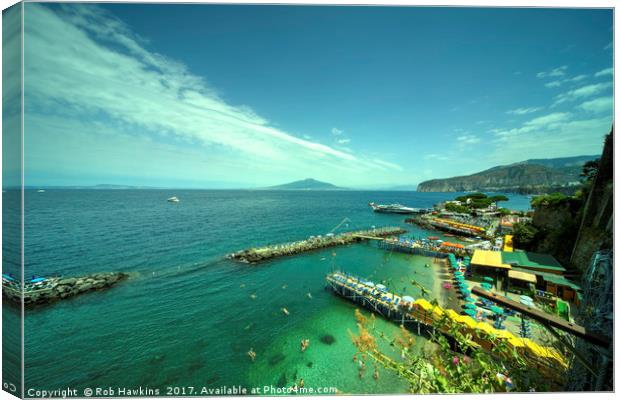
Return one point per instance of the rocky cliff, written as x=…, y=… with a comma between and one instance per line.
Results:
x=531, y=176
x=596, y=227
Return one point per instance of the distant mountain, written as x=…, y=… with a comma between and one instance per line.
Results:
x=530, y=176
x=306, y=184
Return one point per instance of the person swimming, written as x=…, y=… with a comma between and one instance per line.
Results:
x=252, y=354
x=285, y=311
x=301, y=382
x=376, y=373
x=304, y=344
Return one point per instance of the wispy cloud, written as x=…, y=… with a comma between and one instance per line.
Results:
x=337, y=132
x=554, y=73
x=343, y=141
x=604, y=72
x=468, y=139
x=544, y=122
x=598, y=105
x=435, y=156
x=582, y=92
x=523, y=110
x=95, y=69
x=560, y=82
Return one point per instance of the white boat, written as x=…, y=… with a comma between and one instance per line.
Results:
x=40, y=191
x=173, y=199
x=397, y=209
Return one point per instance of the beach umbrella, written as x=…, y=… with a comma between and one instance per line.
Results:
x=497, y=310
x=486, y=286
x=526, y=299
x=470, y=299
x=470, y=306
x=470, y=312
x=370, y=284
x=381, y=287
x=408, y=299
x=488, y=279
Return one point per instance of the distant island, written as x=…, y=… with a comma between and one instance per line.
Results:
x=526, y=177
x=306, y=184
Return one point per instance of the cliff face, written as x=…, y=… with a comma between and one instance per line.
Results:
x=521, y=177
x=558, y=225
x=596, y=228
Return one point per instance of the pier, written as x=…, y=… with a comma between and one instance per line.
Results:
x=49, y=290
x=423, y=317
x=255, y=255
x=423, y=248
x=447, y=225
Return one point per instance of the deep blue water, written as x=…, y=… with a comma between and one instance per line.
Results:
x=186, y=316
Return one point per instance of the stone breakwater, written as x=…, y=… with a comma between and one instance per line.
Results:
x=255, y=255
x=53, y=289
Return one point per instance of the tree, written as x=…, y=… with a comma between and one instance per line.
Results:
x=524, y=235
x=497, y=198
x=590, y=169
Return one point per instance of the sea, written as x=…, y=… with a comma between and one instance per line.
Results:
x=187, y=316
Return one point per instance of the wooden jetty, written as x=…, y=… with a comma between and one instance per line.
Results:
x=422, y=316
x=255, y=255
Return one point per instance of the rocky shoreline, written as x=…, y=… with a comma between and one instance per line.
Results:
x=54, y=289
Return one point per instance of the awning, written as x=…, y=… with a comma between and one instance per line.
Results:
x=522, y=276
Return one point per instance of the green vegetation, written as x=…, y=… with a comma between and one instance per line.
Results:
x=456, y=208
x=474, y=201
x=553, y=199
x=469, y=369
x=524, y=235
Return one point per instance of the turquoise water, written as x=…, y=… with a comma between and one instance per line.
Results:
x=187, y=316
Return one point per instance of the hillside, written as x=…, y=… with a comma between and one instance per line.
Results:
x=531, y=176
x=306, y=184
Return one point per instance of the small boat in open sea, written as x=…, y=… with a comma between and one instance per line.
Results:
x=173, y=199
x=396, y=209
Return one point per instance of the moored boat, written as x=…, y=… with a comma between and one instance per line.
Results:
x=173, y=199
x=396, y=209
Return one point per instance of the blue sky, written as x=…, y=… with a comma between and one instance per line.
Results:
x=246, y=96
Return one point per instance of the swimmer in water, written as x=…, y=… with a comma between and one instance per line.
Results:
x=301, y=382
x=252, y=354
x=376, y=374
x=285, y=311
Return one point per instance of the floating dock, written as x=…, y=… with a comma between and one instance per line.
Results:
x=259, y=254
x=421, y=315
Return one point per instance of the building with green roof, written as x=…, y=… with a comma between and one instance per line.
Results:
x=533, y=261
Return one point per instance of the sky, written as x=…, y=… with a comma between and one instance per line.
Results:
x=363, y=97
